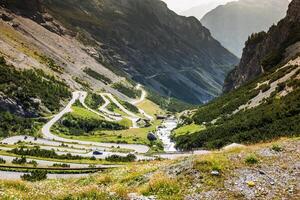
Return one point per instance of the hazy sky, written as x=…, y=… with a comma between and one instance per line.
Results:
x=183, y=5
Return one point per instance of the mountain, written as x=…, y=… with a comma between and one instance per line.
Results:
x=266, y=50
x=202, y=9
x=264, y=92
x=231, y=24
x=146, y=41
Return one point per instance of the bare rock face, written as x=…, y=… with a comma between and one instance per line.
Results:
x=266, y=50
x=143, y=39
x=32, y=9
x=14, y=107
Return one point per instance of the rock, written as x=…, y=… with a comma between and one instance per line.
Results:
x=15, y=24
x=151, y=137
x=265, y=45
x=134, y=196
x=215, y=173
x=250, y=184
x=6, y=17
x=47, y=17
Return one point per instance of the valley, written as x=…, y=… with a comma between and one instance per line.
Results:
x=126, y=100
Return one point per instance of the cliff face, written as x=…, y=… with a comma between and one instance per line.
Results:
x=231, y=24
x=171, y=54
x=264, y=51
x=28, y=7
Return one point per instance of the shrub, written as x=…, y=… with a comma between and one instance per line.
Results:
x=33, y=162
x=117, y=158
x=127, y=90
x=2, y=60
x=63, y=165
x=36, y=175
x=97, y=76
x=94, y=100
x=2, y=161
x=162, y=186
x=37, y=152
x=77, y=125
x=277, y=148
x=19, y=161
x=251, y=159
x=256, y=38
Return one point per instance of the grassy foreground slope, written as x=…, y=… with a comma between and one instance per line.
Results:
x=254, y=172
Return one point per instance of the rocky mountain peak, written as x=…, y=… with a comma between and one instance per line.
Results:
x=264, y=51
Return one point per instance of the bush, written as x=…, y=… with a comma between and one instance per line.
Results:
x=94, y=100
x=128, y=91
x=37, y=175
x=277, y=148
x=63, y=165
x=19, y=161
x=97, y=76
x=76, y=125
x=256, y=38
x=2, y=161
x=37, y=152
x=33, y=162
x=117, y=158
x=251, y=159
x=2, y=60
x=129, y=106
x=162, y=186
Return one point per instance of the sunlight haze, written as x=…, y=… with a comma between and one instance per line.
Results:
x=183, y=5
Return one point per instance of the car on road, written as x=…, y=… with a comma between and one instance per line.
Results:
x=97, y=153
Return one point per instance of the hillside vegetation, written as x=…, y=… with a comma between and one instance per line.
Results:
x=26, y=95
x=273, y=117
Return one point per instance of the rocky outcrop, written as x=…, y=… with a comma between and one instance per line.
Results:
x=143, y=39
x=32, y=9
x=231, y=24
x=265, y=51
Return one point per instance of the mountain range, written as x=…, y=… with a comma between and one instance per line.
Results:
x=231, y=24
x=261, y=102
x=146, y=41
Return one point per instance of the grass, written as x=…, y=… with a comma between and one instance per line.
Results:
x=84, y=113
x=188, y=129
x=251, y=159
x=130, y=136
x=162, y=186
x=150, y=108
x=192, y=176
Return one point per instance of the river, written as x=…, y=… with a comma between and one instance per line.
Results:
x=164, y=133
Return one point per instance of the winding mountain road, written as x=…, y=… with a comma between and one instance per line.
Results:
x=46, y=130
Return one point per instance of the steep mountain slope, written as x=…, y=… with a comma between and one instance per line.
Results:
x=232, y=23
x=264, y=108
x=203, y=8
x=40, y=64
x=171, y=54
x=264, y=51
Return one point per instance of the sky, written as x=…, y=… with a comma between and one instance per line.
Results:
x=183, y=5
